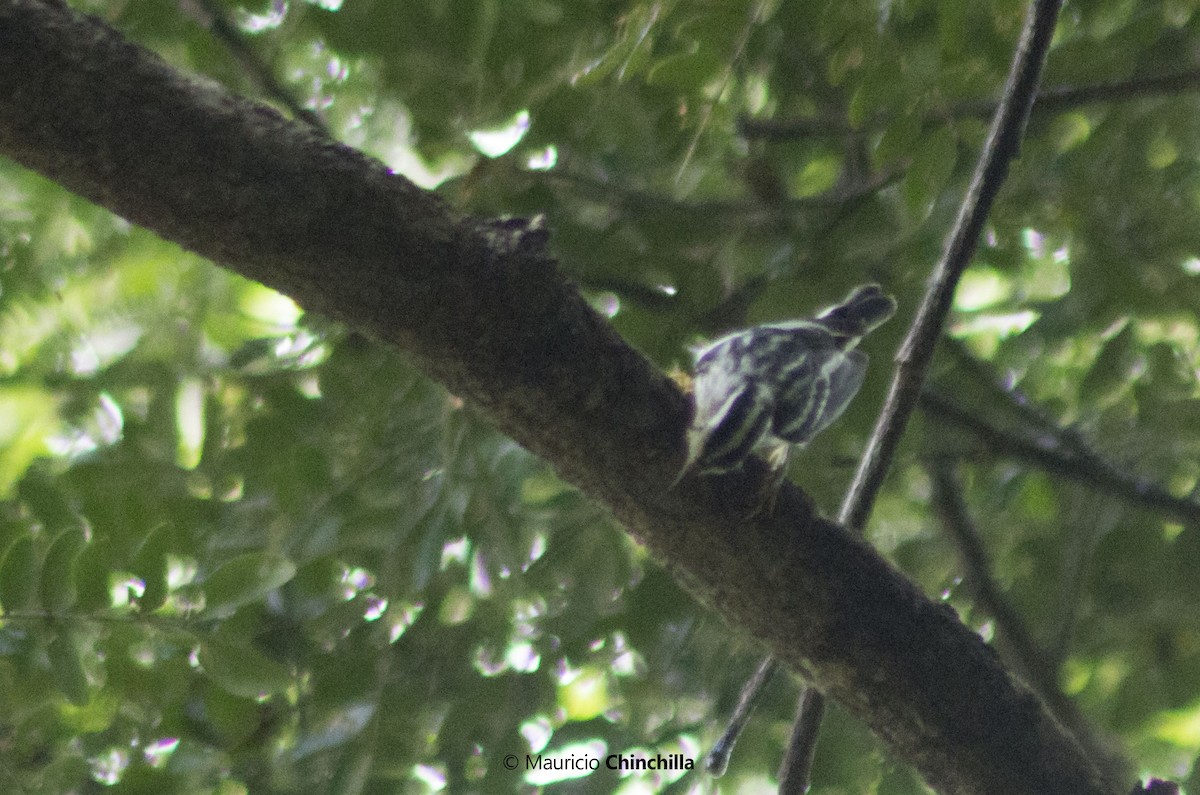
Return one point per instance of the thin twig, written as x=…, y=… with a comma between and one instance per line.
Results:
x=1002, y=146
x=1061, y=98
x=1023, y=651
x=718, y=758
x=1052, y=100
x=745, y=209
x=912, y=362
x=985, y=374
x=1053, y=455
x=756, y=14
x=795, y=771
x=949, y=504
x=227, y=33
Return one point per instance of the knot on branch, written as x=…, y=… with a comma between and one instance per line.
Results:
x=508, y=236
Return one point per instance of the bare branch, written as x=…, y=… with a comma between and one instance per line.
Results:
x=1063, y=98
x=1051, y=453
x=1048, y=101
x=740, y=210
x=1001, y=148
x=718, y=758
x=795, y=771
x=912, y=362
x=227, y=33
x=481, y=307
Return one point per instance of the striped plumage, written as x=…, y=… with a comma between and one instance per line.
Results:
x=780, y=383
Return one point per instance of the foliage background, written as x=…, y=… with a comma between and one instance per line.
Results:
x=244, y=551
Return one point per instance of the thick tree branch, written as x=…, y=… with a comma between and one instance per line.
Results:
x=481, y=308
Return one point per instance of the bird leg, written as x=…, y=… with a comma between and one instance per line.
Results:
x=768, y=491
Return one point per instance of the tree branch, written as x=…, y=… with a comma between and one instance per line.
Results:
x=912, y=362
x=214, y=16
x=740, y=211
x=1050, y=453
x=1048, y=101
x=481, y=307
x=984, y=373
x=1001, y=148
x=1014, y=637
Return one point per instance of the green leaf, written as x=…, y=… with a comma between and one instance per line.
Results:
x=18, y=574
x=92, y=567
x=67, y=669
x=902, y=136
x=242, y=670
x=31, y=415
x=146, y=780
x=878, y=93
x=191, y=421
x=585, y=696
x=953, y=30
x=628, y=54
x=44, y=497
x=95, y=716
x=818, y=175
x=1070, y=130
x=931, y=168
x=234, y=718
x=58, y=571
x=150, y=564
x=687, y=71
x=245, y=579
x=1110, y=373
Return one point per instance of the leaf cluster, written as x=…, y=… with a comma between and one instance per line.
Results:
x=242, y=548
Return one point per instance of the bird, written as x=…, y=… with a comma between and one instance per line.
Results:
x=777, y=385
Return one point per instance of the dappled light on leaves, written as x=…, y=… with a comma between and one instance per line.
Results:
x=566, y=762
x=497, y=141
x=583, y=694
x=246, y=548
x=107, y=768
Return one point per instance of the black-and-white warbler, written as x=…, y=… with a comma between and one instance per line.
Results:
x=779, y=384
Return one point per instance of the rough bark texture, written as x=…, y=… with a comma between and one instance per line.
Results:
x=481, y=307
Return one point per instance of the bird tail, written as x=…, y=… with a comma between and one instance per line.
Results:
x=865, y=308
